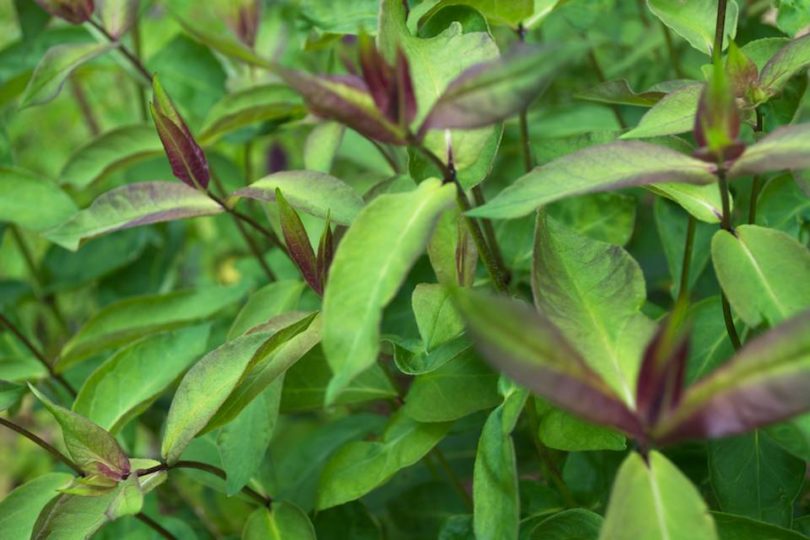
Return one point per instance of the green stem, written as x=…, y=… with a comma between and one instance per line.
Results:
x=756, y=185
x=525, y=143
x=137, y=45
x=489, y=233
x=728, y=320
x=59, y=456
x=4, y=321
x=84, y=106
x=216, y=471
x=673, y=53
x=726, y=225
x=549, y=469
x=683, y=291
x=155, y=526
x=597, y=69
x=454, y=479
x=497, y=275
x=129, y=55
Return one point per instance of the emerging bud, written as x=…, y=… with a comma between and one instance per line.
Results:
x=295, y=236
x=391, y=87
x=717, y=123
x=326, y=252
x=742, y=72
x=186, y=157
x=243, y=17
x=73, y=11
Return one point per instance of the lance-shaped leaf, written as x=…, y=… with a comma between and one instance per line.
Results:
x=312, y=192
x=391, y=87
x=621, y=93
x=790, y=60
x=285, y=520
x=695, y=20
x=19, y=508
x=787, y=147
x=597, y=168
x=510, y=13
x=55, y=68
x=347, y=100
x=93, y=449
x=133, y=205
x=118, y=16
x=663, y=368
x=674, y=114
x=31, y=201
x=759, y=270
x=765, y=382
x=370, y=264
x=491, y=92
x=73, y=11
x=326, y=251
x=298, y=246
x=653, y=500
x=527, y=347
x=186, y=157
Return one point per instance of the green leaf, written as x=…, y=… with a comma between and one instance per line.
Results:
x=133, y=205
x=620, y=93
x=599, y=168
x=341, y=16
x=787, y=147
x=458, y=388
x=436, y=318
x=731, y=527
x=560, y=430
x=709, y=345
x=111, y=151
x=32, y=201
x=284, y=521
x=322, y=145
x=130, y=319
x=370, y=264
x=793, y=436
x=243, y=442
x=577, y=523
x=609, y=217
x=495, y=482
x=272, y=103
x=315, y=193
x=655, y=501
x=108, y=396
x=793, y=15
x=10, y=394
x=575, y=283
x=523, y=344
x=204, y=389
x=695, y=20
x=674, y=114
x=266, y=303
x=757, y=267
x=790, y=60
x=362, y=466
x=305, y=385
x=754, y=477
x=506, y=13
x=20, y=508
x=92, y=448
x=451, y=250
x=55, y=68
x=703, y=202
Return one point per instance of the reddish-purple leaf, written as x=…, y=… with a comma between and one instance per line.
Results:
x=73, y=11
x=660, y=380
x=765, y=382
x=527, y=347
x=186, y=157
x=346, y=99
x=295, y=236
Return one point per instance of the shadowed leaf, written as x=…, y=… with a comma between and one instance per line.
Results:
x=790, y=60
x=298, y=246
x=787, y=147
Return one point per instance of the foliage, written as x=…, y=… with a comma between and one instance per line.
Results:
x=394, y=269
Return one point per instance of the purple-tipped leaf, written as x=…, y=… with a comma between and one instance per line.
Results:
x=73, y=11
x=295, y=236
x=346, y=99
x=186, y=157
x=661, y=378
x=491, y=92
x=765, y=382
x=787, y=147
x=93, y=449
x=527, y=347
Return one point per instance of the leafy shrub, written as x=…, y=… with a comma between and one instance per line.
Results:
x=402, y=269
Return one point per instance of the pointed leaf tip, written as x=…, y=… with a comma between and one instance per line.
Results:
x=298, y=245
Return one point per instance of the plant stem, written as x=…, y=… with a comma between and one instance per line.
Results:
x=137, y=46
x=549, y=470
x=136, y=63
x=84, y=106
x=37, y=354
x=597, y=69
x=386, y=155
x=673, y=53
x=719, y=29
x=497, y=275
x=489, y=233
x=216, y=471
x=728, y=319
x=726, y=198
x=726, y=225
x=525, y=143
x=683, y=290
x=157, y=527
x=454, y=479
x=756, y=185
x=59, y=456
